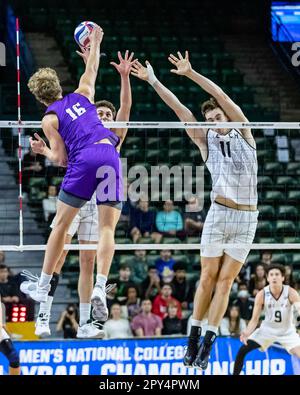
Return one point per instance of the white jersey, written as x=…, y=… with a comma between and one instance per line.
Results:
x=278, y=313
x=233, y=166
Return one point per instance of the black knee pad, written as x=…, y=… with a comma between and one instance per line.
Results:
x=8, y=349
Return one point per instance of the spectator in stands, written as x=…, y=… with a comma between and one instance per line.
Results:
x=172, y=325
x=116, y=327
x=2, y=257
x=169, y=221
x=8, y=290
x=193, y=218
x=150, y=287
x=266, y=257
x=142, y=222
x=133, y=303
x=244, y=302
x=49, y=204
x=162, y=300
x=258, y=280
x=146, y=323
x=182, y=288
x=164, y=265
x=124, y=281
x=33, y=166
x=139, y=266
x=232, y=324
x=68, y=322
x=288, y=277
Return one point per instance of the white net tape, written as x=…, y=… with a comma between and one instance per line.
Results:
x=163, y=125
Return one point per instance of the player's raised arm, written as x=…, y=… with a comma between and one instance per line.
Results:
x=124, y=69
x=232, y=110
x=87, y=81
x=57, y=151
x=252, y=324
x=183, y=113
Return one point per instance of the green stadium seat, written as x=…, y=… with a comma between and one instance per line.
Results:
x=293, y=196
x=193, y=239
x=264, y=227
x=287, y=212
x=267, y=240
x=279, y=257
x=293, y=168
x=123, y=240
x=275, y=197
x=37, y=182
x=266, y=211
x=286, y=181
x=146, y=240
x=264, y=181
x=272, y=168
x=285, y=227
x=291, y=239
x=296, y=259
x=171, y=240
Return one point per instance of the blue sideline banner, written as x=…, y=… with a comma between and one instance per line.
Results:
x=161, y=356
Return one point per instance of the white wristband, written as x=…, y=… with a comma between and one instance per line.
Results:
x=151, y=76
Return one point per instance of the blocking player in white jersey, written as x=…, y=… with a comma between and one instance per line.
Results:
x=277, y=301
x=230, y=156
x=85, y=224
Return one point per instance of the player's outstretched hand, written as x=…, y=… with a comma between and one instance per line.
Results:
x=84, y=54
x=140, y=71
x=38, y=146
x=183, y=65
x=96, y=35
x=244, y=338
x=126, y=63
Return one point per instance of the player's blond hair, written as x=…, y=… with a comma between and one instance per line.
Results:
x=45, y=85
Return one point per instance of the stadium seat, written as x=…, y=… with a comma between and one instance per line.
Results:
x=275, y=197
x=264, y=227
x=287, y=212
x=285, y=227
x=279, y=257
x=266, y=211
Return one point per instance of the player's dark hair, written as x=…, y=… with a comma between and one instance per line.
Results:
x=108, y=104
x=277, y=266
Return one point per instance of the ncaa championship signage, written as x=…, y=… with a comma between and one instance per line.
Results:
x=161, y=356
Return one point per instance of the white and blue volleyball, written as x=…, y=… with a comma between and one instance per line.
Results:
x=82, y=33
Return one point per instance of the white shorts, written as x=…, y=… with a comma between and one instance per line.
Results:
x=226, y=225
x=85, y=224
x=266, y=339
x=4, y=335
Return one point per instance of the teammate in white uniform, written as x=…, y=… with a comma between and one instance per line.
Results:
x=277, y=301
x=85, y=224
x=8, y=349
x=230, y=156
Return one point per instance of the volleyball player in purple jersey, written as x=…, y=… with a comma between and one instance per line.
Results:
x=79, y=141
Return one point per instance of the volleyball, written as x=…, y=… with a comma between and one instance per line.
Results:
x=82, y=33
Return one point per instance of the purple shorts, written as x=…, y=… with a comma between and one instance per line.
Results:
x=95, y=168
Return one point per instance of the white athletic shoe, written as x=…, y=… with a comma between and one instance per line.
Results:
x=28, y=286
x=32, y=288
x=40, y=294
x=98, y=300
x=89, y=331
x=31, y=283
x=42, y=328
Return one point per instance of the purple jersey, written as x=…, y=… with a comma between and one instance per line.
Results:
x=79, y=125
x=88, y=162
